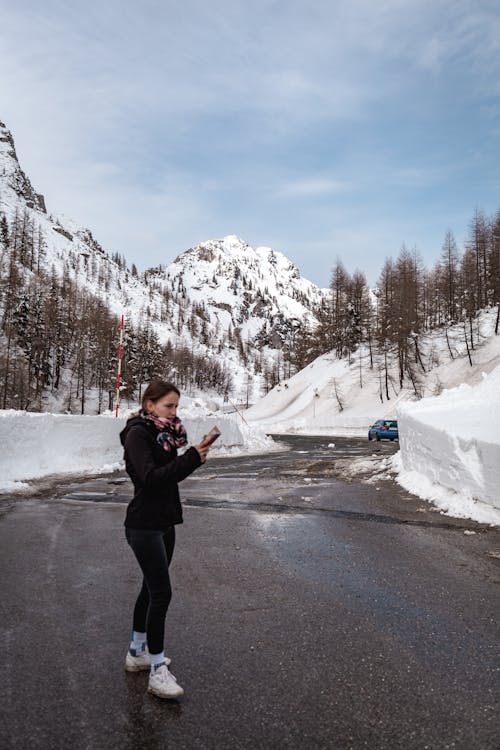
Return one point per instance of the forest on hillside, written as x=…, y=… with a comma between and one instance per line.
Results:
x=408, y=302
x=60, y=340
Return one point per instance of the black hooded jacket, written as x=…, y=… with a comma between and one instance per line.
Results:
x=154, y=473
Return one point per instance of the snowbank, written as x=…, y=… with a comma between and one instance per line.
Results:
x=450, y=449
x=39, y=445
x=36, y=445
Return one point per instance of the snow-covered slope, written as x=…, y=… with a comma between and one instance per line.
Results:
x=331, y=396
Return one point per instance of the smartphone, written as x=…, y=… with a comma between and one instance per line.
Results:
x=212, y=436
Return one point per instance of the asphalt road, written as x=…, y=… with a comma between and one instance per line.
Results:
x=310, y=610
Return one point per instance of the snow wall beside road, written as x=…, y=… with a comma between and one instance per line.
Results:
x=38, y=445
x=453, y=440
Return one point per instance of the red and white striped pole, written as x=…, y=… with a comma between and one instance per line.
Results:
x=119, y=378
x=236, y=409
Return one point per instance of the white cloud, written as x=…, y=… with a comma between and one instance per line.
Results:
x=433, y=53
x=416, y=177
x=313, y=186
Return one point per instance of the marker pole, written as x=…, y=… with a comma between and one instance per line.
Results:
x=119, y=377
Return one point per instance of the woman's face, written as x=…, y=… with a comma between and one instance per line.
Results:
x=165, y=407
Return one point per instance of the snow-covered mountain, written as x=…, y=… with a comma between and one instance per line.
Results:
x=258, y=293
x=221, y=298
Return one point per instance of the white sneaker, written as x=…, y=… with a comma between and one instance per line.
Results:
x=163, y=684
x=138, y=663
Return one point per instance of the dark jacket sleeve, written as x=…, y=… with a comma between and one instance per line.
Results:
x=139, y=452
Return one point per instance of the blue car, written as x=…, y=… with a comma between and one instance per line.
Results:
x=384, y=429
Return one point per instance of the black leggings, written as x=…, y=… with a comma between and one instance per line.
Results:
x=153, y=550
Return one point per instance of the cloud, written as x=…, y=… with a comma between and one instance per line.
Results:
x=466, y=37
x=415, y=177
x=433, y=53
x=313, y=187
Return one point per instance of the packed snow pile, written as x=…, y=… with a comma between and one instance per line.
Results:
x=450, y=449
x=40, y=445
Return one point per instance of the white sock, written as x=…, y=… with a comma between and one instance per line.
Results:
x=156, y=660
x=138, y=643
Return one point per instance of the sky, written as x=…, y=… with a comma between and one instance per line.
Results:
x=335, y=129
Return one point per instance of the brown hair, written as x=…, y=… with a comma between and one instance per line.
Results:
x=157, y=389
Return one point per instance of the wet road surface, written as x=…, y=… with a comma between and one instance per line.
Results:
x=310, y=610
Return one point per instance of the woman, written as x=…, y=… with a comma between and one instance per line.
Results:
x=151, y=439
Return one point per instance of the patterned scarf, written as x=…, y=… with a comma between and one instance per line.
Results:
x=172, y=433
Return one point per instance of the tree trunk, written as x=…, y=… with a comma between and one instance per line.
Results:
x=418, y=358
x=386, y=376
x=448, y=342
x=6, y=378
x=467, y=345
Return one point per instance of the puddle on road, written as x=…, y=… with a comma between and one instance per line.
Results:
x=282, y=511
x=95, y=497
x=220, y=478
x=87, y=494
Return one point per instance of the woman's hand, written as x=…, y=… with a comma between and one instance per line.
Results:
x=202, y=450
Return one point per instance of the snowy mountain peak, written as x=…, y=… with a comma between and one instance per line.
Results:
x=232, y=247
x=233, y=257
x=6, y=137
x=12, y=174
x=257, y=291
